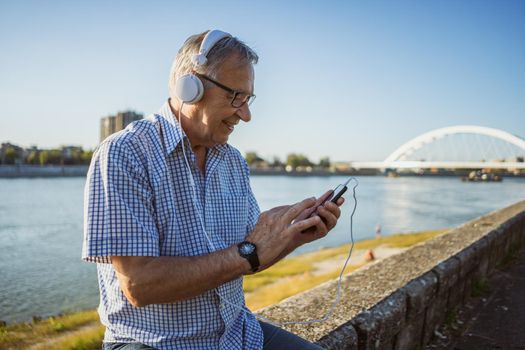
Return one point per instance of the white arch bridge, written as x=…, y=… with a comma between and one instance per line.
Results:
x=456, y=147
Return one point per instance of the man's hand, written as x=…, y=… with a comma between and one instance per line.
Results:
x=274, y=231
x=329, y=213
x=279, y=230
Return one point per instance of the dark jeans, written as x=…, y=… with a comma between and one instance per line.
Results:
x=275, y=338
x=126, y=346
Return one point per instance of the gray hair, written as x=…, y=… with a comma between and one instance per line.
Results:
x=220, y=52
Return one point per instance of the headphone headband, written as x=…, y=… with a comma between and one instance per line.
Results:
x=208, y=42
x=189, y=88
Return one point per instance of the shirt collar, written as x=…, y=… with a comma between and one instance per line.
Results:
x=174, y=134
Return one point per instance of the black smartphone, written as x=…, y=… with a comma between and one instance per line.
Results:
x=339, y=191
x=336, y=194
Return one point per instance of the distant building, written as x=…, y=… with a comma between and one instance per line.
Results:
x=11, y=154
x=114, y=123
x=71, y=154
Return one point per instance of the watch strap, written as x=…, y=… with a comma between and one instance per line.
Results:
x=252, y=258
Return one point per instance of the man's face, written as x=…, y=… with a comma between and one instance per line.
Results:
x=215, y=118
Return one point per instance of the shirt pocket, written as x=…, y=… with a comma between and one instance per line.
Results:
x=227, y=218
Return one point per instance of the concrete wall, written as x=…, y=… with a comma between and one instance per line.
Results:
x=12, y=171
x=398, y=302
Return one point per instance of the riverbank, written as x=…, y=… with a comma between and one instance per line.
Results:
x=32, y=171
x=25, y=171
x=82, y=330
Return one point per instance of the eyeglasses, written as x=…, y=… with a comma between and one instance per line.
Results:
x=239, y=98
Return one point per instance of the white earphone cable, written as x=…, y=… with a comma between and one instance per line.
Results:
x=201, y=220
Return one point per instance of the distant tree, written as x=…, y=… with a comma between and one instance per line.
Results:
x=252, y=158
x=51, y=156
x=324, y=163
x=33, y=157
x=296, y=160
x=10, y=156
x=55, y=157
x=277, y=163
x=86, y=157
x=43, y=157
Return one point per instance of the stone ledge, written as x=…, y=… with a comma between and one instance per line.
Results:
x=399, y=301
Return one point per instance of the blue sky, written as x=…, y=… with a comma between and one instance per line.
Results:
x=351, y=80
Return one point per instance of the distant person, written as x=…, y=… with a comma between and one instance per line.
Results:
x=172, y=223
x=378, y=231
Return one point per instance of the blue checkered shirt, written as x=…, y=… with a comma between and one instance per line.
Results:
x=139, y=201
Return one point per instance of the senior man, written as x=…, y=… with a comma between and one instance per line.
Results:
x=172, y=223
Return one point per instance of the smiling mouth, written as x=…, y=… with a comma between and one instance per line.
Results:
x=230, y=126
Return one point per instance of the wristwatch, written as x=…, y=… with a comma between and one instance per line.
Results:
x=248, y=250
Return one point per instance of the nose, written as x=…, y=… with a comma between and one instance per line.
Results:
x=244, y=113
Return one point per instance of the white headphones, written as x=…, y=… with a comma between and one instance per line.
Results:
x=189, y=88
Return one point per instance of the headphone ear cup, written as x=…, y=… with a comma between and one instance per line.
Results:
x=189, y=88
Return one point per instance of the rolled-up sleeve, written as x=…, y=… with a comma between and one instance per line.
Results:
x=118, y=208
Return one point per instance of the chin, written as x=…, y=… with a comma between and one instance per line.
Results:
x=217, y=143
x=222, y=140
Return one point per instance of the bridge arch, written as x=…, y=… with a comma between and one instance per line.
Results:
x=428, y=137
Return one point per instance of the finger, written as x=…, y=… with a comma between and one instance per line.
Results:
x=296, y=209
x=320, y=201
x=333, y=208
x=328, y=217
x=306, y=213
x=303, y=225
x=340, y=201
x=326, y=196
x=321, y=229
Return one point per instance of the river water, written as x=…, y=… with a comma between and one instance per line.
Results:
x=41, y=227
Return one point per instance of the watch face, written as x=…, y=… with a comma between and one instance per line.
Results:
x=247, y=248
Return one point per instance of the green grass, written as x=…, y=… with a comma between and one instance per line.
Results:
x=20, y=335
x=284, y=268
x=86, y=339
x=480, y=288
x=510, y=257
x=451, y=318
x=289, y=286
x=400, y=240
x=286, y=278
